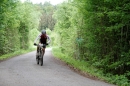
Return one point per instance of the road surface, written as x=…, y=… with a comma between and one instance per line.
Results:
x=23, y=71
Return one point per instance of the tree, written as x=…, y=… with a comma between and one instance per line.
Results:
x=46, y=19
x=18, y=19
x=103, y=27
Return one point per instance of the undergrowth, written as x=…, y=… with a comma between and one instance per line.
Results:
x=87, y=68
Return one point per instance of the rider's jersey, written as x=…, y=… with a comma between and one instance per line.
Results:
x=39, y=37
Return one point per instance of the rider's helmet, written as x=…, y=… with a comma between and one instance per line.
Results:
x=43, y=31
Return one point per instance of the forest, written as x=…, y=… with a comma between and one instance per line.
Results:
x=21, y=22
x=97, y=32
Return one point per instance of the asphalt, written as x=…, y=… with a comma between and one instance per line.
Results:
x=23, y=71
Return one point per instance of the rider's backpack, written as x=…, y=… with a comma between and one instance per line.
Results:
x=43, y=38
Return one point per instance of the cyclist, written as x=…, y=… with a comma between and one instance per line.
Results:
x=43, y=39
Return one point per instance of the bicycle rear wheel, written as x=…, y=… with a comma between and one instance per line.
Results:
x=37, y=59
x=41, y=61
x=41, y=58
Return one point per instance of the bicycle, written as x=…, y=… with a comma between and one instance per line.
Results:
x=39, y=57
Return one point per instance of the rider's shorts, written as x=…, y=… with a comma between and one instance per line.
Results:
x=44, y=45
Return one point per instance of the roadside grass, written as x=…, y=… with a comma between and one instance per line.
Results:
x=82, y=66
x=88, y=70
x=19, y=52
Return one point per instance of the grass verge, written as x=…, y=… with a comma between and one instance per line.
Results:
x=19, y=52
x=86, y=69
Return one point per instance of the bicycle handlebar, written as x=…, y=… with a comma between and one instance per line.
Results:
x=41, y=45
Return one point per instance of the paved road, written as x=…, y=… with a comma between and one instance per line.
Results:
x=23, y=71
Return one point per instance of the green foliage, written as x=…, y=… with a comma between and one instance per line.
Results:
x=17, y=19
x=119, y=80
x=55, y=39
x=46, y=20
x=29, y=20
x=64, y=28
x=48, y=31
x=103, y=27
x=105, y=34
x=8, y=25
x=32, y=36
x=90, y=70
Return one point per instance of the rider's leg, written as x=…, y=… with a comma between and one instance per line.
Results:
x=44, y=47
x=37, y=50
x=43, y=50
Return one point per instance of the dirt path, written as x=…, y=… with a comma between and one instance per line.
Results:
x=23, y=71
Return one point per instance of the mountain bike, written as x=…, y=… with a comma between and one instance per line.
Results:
x=39, y=57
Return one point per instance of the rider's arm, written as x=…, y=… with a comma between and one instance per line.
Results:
x=38, y=37
x=48, y=39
